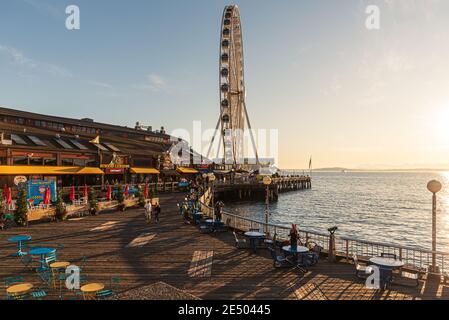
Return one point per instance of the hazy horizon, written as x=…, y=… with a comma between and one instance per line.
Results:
x=345, y=95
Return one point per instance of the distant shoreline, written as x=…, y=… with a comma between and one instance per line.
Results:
x=365, y=170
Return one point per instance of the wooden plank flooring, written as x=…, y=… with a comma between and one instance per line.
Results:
x=143, y=254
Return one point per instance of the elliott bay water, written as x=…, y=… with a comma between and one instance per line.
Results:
x=389, y=207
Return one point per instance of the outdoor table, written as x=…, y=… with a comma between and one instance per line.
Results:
x=58, y=267
x=296, y=251
x=386, y=267
x=89, y=290
x=254, y=237
x=19, y=289
x=42, y=252
x=20, y=239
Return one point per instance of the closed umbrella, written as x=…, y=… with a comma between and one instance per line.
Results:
x=85, y=191
x=72, y=193
x=9, y=197
x=109, y=194
x=47, y=196
x=126, y=190
x=145, y=191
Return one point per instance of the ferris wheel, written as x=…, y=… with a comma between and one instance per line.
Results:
x=233, y=119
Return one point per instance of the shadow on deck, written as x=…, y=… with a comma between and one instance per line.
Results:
x=173, y=253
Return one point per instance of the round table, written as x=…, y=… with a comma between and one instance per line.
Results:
x=254, y=237
x=299, y=250
x=59, y=264
x=20, y=239
x=386, y=267
x=42, y=252
x=19, y=289
x=89, y=290
x=387, y=262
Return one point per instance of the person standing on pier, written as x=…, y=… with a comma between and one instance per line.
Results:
x=148, y=210
x=157, y=212
x=218, y=208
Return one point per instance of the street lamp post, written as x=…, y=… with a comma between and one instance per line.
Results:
x=267, y=181
x=434, y=186
x=212, y=179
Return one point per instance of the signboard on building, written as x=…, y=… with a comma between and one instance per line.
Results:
x=20, y=179
x=36, y=190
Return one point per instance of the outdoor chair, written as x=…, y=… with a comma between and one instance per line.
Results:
x=103, y=294
x=279, y=261
x=47, y=277
x=240, y=243
x=406, y=279
x=388, y=255
x=313, y=256
x=361, y=271
x=38, y=294
x=27, y=260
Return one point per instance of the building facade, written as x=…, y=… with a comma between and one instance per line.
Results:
x=76, y=151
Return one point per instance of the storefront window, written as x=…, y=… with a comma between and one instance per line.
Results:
x=67, y=162
x=79, y=162
x=91, y=163
x=20, y=160
x=50, y=162
x=36, y=161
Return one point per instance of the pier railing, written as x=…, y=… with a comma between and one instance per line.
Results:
x=415, y=259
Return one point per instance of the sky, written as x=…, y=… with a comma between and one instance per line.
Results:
x=335, y=90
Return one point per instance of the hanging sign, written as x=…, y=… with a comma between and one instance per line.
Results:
x=19, y=179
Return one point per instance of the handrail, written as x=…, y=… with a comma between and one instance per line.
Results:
x=418, y=257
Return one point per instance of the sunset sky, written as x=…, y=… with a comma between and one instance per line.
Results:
x=346, y=95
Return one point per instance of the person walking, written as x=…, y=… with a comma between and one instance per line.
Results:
x=148, y=210
x=157, y=212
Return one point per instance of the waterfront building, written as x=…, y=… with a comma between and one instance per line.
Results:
x=81, y=151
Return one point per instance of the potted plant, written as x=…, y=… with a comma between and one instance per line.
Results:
x=92, y=200
x=21, y=213
x=120, y=196
x=139, y=194
x=60, y=208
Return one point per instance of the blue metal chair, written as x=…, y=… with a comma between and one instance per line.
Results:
x=279, y=261
x=39, y=294
x=103, y=294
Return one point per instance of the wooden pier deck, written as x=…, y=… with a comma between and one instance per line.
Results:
x=206, y=266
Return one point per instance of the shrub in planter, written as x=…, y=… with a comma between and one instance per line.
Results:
x=139, y=194
x=92, y=200
x=20, y=215
x=61, y=210
x=121, y=198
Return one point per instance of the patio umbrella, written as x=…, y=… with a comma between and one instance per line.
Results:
x=8, y=196
x=47, y=196
x=145, y=191
x=126, y=190
x=109, y=194
x=72, y=193
x=85, y=191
